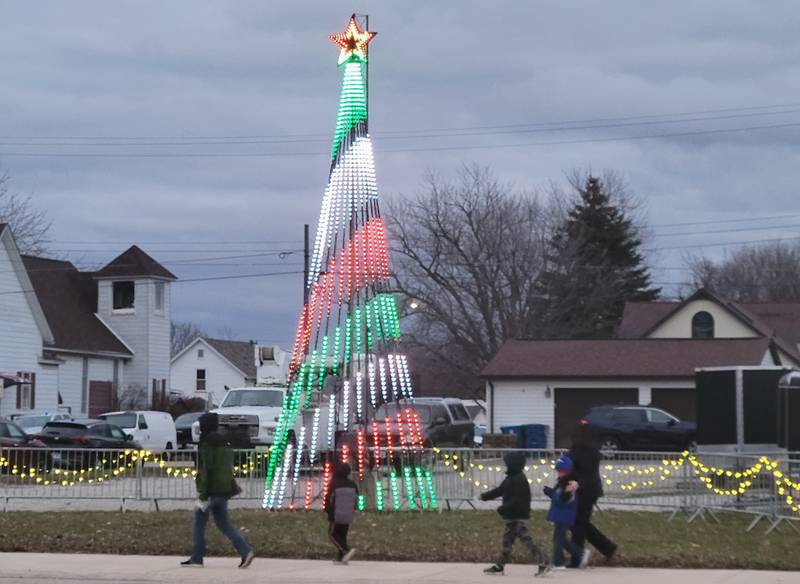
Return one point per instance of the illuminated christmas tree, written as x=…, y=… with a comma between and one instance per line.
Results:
x=345, y=359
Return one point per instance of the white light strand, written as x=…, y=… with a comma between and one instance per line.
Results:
x=287, y=462
x=373, y=397
x=312, y=455
x=299, y=454
x=346, y=405
x=393, y=373
x=359, y=395
x=405, y=375
x=383, y=380
x=331, y=418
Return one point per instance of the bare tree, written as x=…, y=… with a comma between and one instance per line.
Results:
x=469, y=254
x=766, y=273
x=30, y=225
x=183, y=333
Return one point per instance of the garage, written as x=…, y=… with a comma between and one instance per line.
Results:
x=678, y=401
x=572, y=404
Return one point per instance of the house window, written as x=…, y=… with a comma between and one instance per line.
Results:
x=160, y=296
x=201, y=380
x=124, y=293
x=703, y=325
x=26, y=391
x=200, y=353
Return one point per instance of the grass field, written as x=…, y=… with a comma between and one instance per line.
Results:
x=645, y=539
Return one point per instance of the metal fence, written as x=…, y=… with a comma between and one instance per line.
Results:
x=766, y=485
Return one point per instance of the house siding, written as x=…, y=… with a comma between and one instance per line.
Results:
x=679, y=325
x=70, y=382
x=219, y=372
x=20, y=337
x=146, y=331
x=521, y=401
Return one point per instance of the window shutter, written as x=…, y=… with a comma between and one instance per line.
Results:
x=33, y=391
x=19, y=391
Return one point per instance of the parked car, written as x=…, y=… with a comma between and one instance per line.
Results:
x=639, y=428
x=33, y=424
x=151, y=430
x=183, y=426
x=19, y=449
x=443, y=421
x=70, y=442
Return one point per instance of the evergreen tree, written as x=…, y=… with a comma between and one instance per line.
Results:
x=596, y=266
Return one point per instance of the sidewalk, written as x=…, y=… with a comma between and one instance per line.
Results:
x=42, y=568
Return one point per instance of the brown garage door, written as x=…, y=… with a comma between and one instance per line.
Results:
x=573, y=404
x=101, y=398
x=679, y=402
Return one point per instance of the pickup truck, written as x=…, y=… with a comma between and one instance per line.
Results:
x=249, y=414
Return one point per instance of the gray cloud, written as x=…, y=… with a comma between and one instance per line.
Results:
x=200, y=68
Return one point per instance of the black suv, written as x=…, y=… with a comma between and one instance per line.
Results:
x=639, y=428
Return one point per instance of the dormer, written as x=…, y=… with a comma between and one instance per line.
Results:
x=133, y=284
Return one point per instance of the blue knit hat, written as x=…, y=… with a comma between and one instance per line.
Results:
x=564, y=463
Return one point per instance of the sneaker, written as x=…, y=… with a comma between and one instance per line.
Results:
x=191, y=564
x=543, y=571
x=350, y=553
x=496, y=570
x=610, y=556
x=585, y=557
x=247, y=560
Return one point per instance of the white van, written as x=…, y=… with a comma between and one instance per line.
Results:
x=152, y=430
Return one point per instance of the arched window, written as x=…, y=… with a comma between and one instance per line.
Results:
x=702, y=325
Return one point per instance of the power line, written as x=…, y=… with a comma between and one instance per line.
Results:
x=716, y=221
x=454, y=133
x=397, y=150
x=326, y=136
x=740, y=230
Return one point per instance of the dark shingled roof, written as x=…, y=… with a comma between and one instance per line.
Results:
x=69, y=301
x=777, y=321
x=622, y=358
x=240, y=353
x=134, y=263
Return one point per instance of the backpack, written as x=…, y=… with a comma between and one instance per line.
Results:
x=343, y=500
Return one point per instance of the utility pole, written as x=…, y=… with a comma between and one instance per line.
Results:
x=306, y=260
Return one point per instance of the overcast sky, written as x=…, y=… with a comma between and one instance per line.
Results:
x=158, y=76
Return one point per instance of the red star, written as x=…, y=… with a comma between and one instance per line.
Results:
x=353, y=42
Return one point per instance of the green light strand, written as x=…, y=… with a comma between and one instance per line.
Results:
x=421, y=485
x=348, y=335
x=375, y=305
x=323, y=361
x=357, y=330
x=409, y=484
x=395, y=494
x=431, y=489
x=361, y=502
x=352, y=103
x=379, y=494
x=337, y=341
x=368, y=325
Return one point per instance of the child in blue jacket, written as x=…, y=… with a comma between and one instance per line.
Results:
x=563, y=509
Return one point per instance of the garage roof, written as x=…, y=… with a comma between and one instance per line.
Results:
x=622, y=358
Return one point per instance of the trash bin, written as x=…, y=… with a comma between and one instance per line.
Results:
x=529, y=436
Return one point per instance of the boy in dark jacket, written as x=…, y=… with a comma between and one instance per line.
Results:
x=215, y=486
x=340, y=504
x=563, y=509
x=515, y=509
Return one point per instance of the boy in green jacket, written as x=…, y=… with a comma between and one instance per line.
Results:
x=215, y=485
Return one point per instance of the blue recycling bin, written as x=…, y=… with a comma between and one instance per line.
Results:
x=529, y=436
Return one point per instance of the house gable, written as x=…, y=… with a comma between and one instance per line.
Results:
x=678, y=325
x=200, y=342
x=17, y=268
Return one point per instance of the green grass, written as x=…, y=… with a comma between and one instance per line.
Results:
x=645, y=539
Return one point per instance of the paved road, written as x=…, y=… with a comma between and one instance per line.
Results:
x=45, y=568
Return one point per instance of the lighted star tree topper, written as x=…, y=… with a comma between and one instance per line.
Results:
x=350, y=393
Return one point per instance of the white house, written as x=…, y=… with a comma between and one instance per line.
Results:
x=209, y=366
x=652, y=361
x=81, y=341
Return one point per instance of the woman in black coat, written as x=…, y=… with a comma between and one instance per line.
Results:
x=586, y=458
